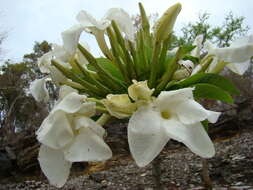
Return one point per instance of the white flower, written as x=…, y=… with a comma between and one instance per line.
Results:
x=198, y=43
x=237, y=56
x=120, y=16
x=63, y=54
x=124, y=21
x=172, y=115
x=38, y=90
x=69, y=135
x=66, y=52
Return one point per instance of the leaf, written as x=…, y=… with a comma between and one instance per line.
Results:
x=193, y=59
x=185, y=49
x=208, y=78
x=205, y=124
x=209, y=91
x=108, y=66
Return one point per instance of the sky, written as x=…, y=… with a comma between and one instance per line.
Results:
x=27, y=21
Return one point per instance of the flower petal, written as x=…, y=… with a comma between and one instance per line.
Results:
x=88, y=21
x=239, y=68
x=87, y=146
x=193, y=136
x=66, y=90
x=234, y=54
x=189, y=65
x=198, y=43
x=71, y=37
x=87, y=122
x=44, y=62
x=213, y=116
x=56, y=76
x=243, y=40
x=55, y=131
x=172, y=98
x=54, y=166
x=38, y=90
x=61, y=55
x=146, y=136
x=123, y=20
x=190, y=112
x=73, y=103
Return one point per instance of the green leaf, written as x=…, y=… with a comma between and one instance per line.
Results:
x=208, y=78
x=185, y=49
x=193, y=59
x=205, y=124
x=209, y=91
x=108, y=66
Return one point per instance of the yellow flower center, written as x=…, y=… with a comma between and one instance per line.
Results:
x=166, y=114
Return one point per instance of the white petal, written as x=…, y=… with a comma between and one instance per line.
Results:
x=87, y=146
x=87, y=122
x=55, y=131
x=56, y=76
x=87, y=109
x=189, y=65
x=61, y=54
x=208, y=46
x=173, y=51
x=196, y=69
x=213, y=116
x=66, y=90
x=213, y=65
x=172, y=98
x=38, y=90
x=243, y=40
x=193, y=136
x=190, y=112
x=146, y=136
x=54, y=166
x=71, y=103
x=86, y=20
x=71, y=37
x=123, y=20
x=234, y=54
x=44, y=62
x=239, y=68
x=198, y=43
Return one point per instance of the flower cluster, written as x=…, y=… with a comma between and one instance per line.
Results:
x=139, y=77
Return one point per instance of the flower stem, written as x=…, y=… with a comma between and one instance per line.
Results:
x=156, y=171
x=103, y=119
x=205, y=174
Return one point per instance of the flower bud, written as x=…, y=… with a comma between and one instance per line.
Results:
x=165, y=24
x=119, y=106
x=140, y=91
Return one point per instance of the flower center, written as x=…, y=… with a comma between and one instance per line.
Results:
x=165, y=114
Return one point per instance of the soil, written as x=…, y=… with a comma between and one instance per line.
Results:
x=231, y=168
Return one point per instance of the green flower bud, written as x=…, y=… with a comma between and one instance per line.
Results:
x=165, y=24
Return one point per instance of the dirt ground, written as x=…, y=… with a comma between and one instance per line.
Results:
x=231, y=168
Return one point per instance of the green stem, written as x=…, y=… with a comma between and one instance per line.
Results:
x=102, y=44
x=154, y=62
x=103, y=119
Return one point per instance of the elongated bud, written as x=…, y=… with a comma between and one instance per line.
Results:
x=165, y=24
x=144, y=18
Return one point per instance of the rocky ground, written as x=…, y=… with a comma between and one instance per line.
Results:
x=231, y=168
